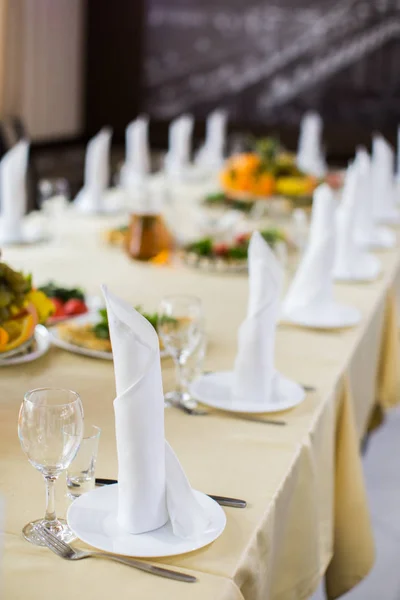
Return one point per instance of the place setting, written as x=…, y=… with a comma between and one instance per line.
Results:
x=152, y=511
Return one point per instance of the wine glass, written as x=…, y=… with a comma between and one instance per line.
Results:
x=180, y=327
x=50, y=428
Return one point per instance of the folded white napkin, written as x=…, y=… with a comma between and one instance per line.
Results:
x=97, y=173
x=383, y=182
x=312, y=286
x=255, y=377
x=152, y=486
x=368, y=233
x=137, y=158
x=351, y=262
x=177, y=159
x=13, y=199
x=310, y=155
x=211, y=154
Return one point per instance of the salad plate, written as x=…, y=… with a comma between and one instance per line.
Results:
x=77, y=335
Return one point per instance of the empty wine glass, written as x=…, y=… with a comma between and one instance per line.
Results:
x=50, y=427
x=180, y=327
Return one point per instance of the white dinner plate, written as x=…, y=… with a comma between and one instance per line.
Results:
x=215, y=389
x=89, y=317
x=368, y=269
x=328, y=316
x=25, y=239
x=381, y=238
x=93, y=518
x=41, y=344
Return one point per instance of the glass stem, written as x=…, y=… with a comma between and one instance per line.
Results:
x=180, y=385
x=50, y=502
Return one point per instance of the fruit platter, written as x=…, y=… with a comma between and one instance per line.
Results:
x=211, y=255
x=266, y=172
x=23, y=312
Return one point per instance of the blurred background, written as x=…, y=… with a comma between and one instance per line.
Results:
x=69, y=67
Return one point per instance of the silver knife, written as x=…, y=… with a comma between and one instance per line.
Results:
x=222, y=500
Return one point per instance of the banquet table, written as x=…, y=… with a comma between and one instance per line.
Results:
x=307, y=514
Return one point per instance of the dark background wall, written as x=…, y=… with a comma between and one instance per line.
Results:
x=266, y=61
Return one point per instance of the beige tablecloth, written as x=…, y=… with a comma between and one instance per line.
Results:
x=307, y=511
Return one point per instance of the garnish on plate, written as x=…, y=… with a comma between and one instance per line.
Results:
x=96, y=336
x=21, y=308
x=68, y=302
x=236, y=250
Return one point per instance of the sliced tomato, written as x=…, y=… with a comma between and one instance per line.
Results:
x=75, y=307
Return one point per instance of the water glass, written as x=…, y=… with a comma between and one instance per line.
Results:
x=81, y=472
x=180, y=327
x=50, y=428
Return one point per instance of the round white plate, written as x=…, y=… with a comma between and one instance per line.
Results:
x=368, y=269
x=114, y=201
x=41, y=346
x=215, y=389
x=89, y=317
x=25, y=239
x=92, y=517
x=329, y=316
x=382, y=238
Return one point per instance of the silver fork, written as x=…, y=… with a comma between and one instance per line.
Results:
x=66, y=551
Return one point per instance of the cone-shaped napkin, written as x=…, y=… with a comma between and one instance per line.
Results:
x=310, y=300
x=13, y=168
x=254, y=385
x=211, y=154
x=152, y=486
x=351, y=263
x=310, y=156
x=368, y=233
x=383, y=182
x=177, y=160
x=97, y=173
x=255, y=376
x=137, y=159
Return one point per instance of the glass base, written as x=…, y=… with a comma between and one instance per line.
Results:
x=179, y=398
x=59, y=528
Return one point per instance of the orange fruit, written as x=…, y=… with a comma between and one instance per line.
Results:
x=4, y=337
x=264, y=185
x=18, y=331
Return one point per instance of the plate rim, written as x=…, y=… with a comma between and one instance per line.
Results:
x=217, y=507
x=249, y=408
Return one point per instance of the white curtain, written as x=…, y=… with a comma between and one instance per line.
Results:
x=44, y=65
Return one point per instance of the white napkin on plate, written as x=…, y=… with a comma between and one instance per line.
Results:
x=351, y=262
x=177, y=159
x=310, y=155
x=211, y=154
x=383, y=182
x=368, y=233
x=152, y=486
x=137, y=158
x=97, y=173
x=13, y=199
x=312, y=285
x=255, y=377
